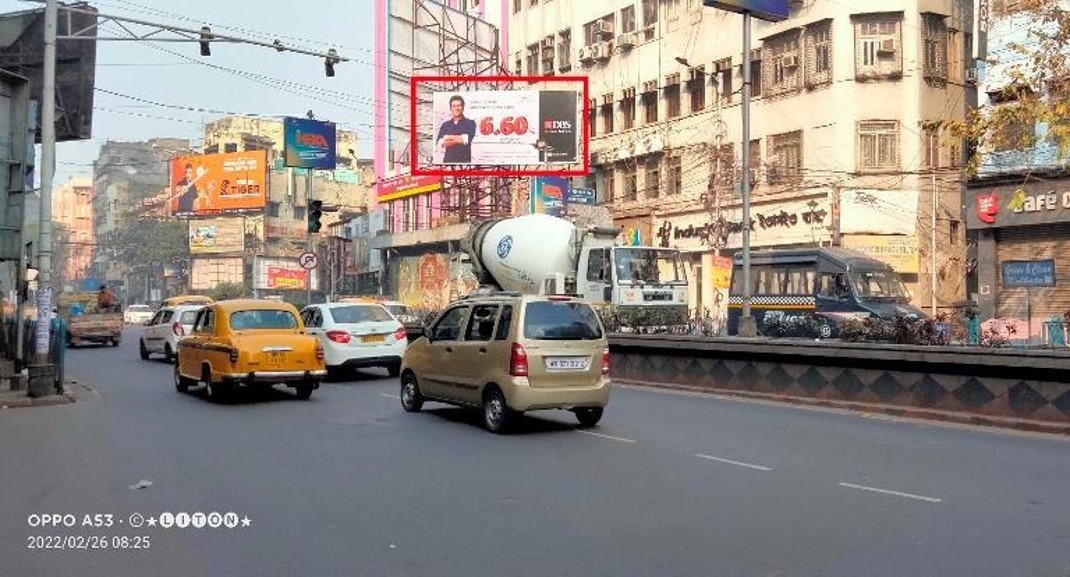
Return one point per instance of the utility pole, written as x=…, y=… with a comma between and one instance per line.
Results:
x=48, y=145
x=933, y=160
x=747, y=326
x=309, y=245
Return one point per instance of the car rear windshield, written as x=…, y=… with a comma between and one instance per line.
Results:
x=262, y=319
x=188, y=317
x=561, y=321
x=359, y=314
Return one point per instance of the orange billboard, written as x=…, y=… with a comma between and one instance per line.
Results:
x=213, y=184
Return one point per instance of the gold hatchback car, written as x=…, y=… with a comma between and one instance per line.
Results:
x=507, y=353
x=245, y=343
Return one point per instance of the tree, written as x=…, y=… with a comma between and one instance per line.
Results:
x=228, y=290
x=1032, y=81
x=148, y=240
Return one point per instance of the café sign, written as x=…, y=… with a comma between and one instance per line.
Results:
x=1034, y=203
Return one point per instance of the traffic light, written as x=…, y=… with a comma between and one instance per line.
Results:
x=206, y=38
x=315, y=212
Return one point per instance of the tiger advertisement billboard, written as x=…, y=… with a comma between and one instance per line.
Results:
x=215, y=184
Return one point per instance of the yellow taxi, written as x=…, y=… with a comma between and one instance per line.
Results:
x=245, y=343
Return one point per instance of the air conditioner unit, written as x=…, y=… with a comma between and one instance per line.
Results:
x=586, y=53
x=887, y=46
x=627, y=40
x=605, y=27
x=789, y=61
x=971, y=75
x=602, y=51
x=548, y=42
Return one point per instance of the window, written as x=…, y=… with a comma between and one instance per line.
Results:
x=781, y=66
x=607, y=115
x=564, y=51
x=516, y=6
x=627, y=108
x=819, y=54
x=273, y=208
x=652, y=182
x=627, y=19
x=877, y=46
x=724, y=79
x=591, y=33
x=631, y=183
x=724, y=167
x=672, y=99
x=931, y=147
x=756, y=73
x=676, y=175
x=956, y=64
x=299, y=213
x=263, y=319
x=610, y=181
x=448, y=326
x=596, y=265
x=592, y=117
x=650, y=16
x=552, y=321
x=230, y=147
x=755, y=160
x=352, y=314
x=696, y=87
x=533, y=60
x=650, y=107
x=936, y=39
x=518, y=66
x=785, y=157
x=548, y=56
x=505, y=322
x=481, y=324
x=878, y=145
x=205, y=322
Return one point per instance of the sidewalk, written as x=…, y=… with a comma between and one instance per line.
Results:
x=10, y=399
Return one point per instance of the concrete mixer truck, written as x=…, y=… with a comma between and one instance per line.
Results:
x=541, y=254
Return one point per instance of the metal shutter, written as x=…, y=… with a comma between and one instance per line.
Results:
x=1039, y=242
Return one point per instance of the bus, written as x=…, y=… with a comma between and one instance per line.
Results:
x=826, y=284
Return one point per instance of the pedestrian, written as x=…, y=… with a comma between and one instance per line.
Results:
x=105, y=299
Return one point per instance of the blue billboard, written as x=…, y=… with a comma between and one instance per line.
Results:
x=771, y=10
x=309, y=143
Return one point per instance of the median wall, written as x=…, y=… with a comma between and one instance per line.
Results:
x=1022, y=389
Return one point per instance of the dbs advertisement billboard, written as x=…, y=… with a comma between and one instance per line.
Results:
x=214, y=184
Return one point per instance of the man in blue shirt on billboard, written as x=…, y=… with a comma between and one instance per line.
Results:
x=456, y=134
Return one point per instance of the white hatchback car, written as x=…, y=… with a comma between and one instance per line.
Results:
x=162, y=333
x=137, y=314
x=357, y=335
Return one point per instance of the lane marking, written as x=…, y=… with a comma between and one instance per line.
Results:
x=889, y=492
x=395, y=397
x=610, y=437
x=731, y=462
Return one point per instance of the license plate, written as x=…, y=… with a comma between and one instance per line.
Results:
x=567, y=363
x=276, y=357
x=373, y=339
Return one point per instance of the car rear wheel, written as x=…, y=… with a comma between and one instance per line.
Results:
x=168, y=353
x=182, y=384
x=142, y=350
x=411, y=399
x=497, y=416
x=304, y=391
x=589, y=416
x=216, y=392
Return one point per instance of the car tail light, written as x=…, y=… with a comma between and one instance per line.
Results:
x=605, y=361
x=338, y=336
x=178, y=329
x=319, y=352
x=518, y=361
x=233, y=356
x=401, y=334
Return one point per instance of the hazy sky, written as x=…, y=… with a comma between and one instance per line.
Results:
x=260, y=80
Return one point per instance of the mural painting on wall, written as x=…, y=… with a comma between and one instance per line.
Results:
x=431, y=281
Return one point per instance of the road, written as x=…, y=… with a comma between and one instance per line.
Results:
x=670, y=484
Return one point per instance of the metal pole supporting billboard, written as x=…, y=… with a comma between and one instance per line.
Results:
x=308, y=236
x=747, y=326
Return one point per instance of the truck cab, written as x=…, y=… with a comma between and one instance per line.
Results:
x=632, y=276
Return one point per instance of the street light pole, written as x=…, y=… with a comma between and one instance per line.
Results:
x=48, y=145
x=747, y=326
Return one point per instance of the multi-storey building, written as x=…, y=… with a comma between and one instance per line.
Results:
x=124, y=175
x=846, y=146
x=72, y=212
x=1018, y=205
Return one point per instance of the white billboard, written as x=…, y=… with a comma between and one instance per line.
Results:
x=206, y=273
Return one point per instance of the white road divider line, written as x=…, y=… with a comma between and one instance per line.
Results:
x=395, y=397
x=889, y=492
x=731, y=462
x=610, y=437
